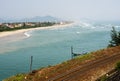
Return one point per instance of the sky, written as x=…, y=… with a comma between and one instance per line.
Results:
x=67, y=9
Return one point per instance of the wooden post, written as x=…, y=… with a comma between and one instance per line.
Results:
x=71, y=52
x=31, y=61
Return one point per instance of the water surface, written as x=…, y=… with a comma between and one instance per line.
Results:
x=50, y=46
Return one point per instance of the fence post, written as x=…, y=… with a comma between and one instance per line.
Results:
x=31, y=61
x=71, y=52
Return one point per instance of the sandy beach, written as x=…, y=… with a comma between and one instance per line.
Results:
x=22, y=31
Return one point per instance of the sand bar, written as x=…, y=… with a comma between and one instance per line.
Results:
x=8, y=33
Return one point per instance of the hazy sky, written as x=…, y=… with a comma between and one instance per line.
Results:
x=73, y=9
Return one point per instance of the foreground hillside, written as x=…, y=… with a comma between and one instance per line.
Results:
x=87, y=67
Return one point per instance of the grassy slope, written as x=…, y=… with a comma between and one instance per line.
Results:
x=51, y=71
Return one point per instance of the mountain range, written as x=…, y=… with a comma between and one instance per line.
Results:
x=34, y=19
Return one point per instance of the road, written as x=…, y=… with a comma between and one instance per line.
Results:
x=81, y=70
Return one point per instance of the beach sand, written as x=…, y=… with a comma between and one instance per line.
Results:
x=23, y=31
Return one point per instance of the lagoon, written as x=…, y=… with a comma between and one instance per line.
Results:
x=50, y=46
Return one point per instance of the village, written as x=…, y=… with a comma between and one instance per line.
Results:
x=22, y=24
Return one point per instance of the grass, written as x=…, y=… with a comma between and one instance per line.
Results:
x=118, y=66
x=51, y=71
x=104, y=78
x=18, y=77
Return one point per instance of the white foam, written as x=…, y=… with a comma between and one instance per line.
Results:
x=86, y=24
x=93, y=27
x=26, y=34
x=117, y=26
x=77, y=32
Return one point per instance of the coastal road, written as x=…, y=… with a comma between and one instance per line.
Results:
x=78, y=72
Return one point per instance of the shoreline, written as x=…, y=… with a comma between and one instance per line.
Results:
x=24, y=31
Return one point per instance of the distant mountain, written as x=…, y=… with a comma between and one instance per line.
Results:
x=41, y=19
x=34, y=19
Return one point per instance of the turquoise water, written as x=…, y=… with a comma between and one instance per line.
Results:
x=50, y=46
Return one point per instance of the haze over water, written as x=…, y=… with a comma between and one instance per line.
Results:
x=50, y=46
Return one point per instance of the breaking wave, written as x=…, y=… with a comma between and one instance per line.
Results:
x=26, y=34
x=93, y=25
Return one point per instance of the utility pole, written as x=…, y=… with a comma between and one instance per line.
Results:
x=31, y=62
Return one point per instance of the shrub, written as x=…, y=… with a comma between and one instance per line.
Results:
x=118, y=66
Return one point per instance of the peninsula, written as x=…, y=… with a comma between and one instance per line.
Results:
x=7, y=29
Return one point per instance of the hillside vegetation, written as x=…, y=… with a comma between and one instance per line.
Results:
x=44, y=74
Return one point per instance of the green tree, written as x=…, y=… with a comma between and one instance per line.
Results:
x=115, y=38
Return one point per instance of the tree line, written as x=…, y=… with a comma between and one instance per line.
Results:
x=4, y=27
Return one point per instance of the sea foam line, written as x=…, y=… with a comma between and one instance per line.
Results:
x=26, y=34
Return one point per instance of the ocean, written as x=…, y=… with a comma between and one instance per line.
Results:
x=50, y=46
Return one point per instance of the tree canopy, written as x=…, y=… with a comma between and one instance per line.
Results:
x=115, y=38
